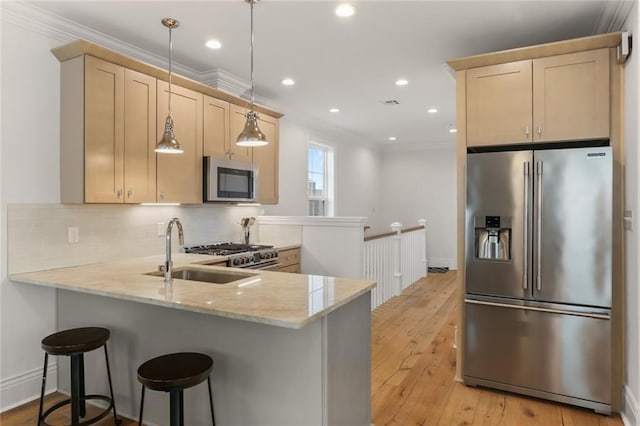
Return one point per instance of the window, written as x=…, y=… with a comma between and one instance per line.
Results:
x=320, y=180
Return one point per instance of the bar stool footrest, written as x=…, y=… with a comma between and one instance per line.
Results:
x=85, y=422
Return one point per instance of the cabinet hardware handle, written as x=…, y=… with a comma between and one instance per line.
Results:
x=526, y=224
x=526, y=131
x=129, y=193
x=539, y=131
x=539, y=242
x=119, y=193
x=161, y=195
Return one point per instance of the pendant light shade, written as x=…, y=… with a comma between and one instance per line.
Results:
x=251, y=134
x=169, y=143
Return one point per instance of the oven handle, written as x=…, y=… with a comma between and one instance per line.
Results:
x=263, y=267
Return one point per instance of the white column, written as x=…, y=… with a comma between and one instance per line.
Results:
x=425, y=260
x=397, y=258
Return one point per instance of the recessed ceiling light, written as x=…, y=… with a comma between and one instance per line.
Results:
x=402, y=82
x=288, y=82
x=334, y=110
x=345, y=10
x=213, y=44
x=432, y=110
x=392, y=138
x=453, y=130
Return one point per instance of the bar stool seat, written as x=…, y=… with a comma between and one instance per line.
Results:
x=173, y=373
x=74, y=343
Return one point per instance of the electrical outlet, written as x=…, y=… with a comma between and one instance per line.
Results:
x=73, y=234
x=160, y=229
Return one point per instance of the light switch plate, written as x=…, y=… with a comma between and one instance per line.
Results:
x=160, y=229
x=73, y=234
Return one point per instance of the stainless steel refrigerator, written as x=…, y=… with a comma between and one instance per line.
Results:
x=538, y=274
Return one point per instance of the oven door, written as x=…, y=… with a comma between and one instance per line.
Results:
x=229, y=180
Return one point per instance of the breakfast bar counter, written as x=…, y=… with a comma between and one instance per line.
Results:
x=289, y=349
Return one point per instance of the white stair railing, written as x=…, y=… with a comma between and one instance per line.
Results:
x=395, y=260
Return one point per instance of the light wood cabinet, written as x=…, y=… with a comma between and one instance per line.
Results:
x=216, y=127
x=104, y=132
x=264, y=157
x=289, y=260
x=499, y=108
x=112, y=160
x=179, y=176
x=140, y=137
x=112, y=113
x=571, y=96
x=559, y=98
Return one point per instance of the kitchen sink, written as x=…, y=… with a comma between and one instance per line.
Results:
x=212, y=277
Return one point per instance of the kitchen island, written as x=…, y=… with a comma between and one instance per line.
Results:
x=289, y=349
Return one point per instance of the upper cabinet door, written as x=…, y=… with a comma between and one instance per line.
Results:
x=179, y=176
x=216, y=127
x=499, y=104
x=236, y=125
x=266, y=159
x=571, y=96
x=104, y=131
x=139, y=137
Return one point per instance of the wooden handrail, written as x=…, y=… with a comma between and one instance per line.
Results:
x=391, y=233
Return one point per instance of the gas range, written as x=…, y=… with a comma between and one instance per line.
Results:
x=250, y=256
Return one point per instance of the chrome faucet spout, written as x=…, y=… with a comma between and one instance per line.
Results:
x=168, y=263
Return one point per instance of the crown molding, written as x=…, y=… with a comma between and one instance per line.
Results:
x=613, y=16
x=224, y=80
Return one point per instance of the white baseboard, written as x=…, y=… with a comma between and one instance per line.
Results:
x=25, y=387
x=441, y=262
x=630, y=410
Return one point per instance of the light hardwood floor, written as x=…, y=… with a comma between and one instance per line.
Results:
x=413, y=365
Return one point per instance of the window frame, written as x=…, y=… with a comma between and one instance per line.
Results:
x=328, y=177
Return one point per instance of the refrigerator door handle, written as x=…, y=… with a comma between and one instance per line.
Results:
x=526, y=225
x=538, y=309
x=539, y=227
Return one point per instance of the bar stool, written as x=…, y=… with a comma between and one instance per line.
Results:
x=74, y=343
x=174, y=373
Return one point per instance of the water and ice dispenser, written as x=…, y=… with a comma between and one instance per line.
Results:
x=492, y=237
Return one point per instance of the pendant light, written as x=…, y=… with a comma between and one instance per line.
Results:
x=169, y=144
x=251, y=134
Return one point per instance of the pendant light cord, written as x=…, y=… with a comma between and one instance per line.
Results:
x=251, y=51
x=170, y=62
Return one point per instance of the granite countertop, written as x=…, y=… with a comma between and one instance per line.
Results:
x=274, y=298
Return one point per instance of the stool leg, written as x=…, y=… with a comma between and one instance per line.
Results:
x=113, y=400
x=213, y=417
x=141, y=406
x=44, y=385
x=176, y=406
x=83, y=405
x=75, y=390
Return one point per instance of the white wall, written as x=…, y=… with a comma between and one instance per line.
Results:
x=357, y=173
x=30, y=173
x=421, y=184
x=632, y=185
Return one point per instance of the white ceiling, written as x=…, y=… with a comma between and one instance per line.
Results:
x=348, y=63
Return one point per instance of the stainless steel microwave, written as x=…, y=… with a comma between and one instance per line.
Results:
x=229, y=180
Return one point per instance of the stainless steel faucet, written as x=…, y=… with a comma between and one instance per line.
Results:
x=168, y=263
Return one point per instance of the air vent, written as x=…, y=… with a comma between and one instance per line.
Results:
x=391, y=102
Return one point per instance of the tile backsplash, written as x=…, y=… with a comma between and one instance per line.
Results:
x=37, y=234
